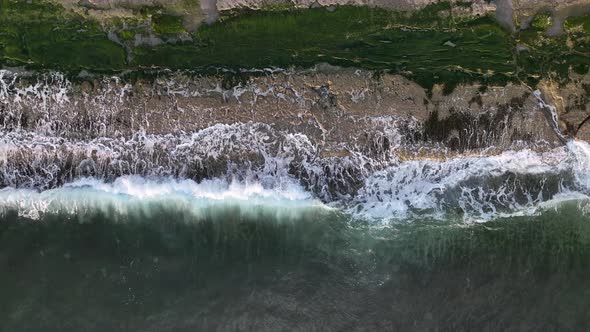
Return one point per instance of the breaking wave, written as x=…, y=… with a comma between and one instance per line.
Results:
x=133, y=195
x=471, y=188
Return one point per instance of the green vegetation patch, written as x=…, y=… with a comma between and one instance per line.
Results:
x=554, y=57
x=126, y=35
x=165, y=24
x=578, y=24
x=429, y=46
x=542, y=21
x=352, y=37
x=44, y=35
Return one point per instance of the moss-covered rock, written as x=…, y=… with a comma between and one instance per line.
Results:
x=167, y=24
x=542, y=21
x=430, y=46
x=40, y=34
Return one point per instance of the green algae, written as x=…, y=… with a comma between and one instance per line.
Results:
x=41, y=34
x=581, y=22
x=126, y=35
x=541, y=21
x=164, y=24
x=350, y=36
x=556, y=57
x=430, y=46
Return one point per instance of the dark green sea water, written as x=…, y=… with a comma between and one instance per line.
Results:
x=163, y=269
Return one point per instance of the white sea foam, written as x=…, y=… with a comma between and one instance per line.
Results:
x=479, y=188
x=130, y=194
x=581, y=162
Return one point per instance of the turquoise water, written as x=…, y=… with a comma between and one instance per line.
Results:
x=161, y=266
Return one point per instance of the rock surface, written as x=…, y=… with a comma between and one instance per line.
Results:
x=335, y=107
x=462, y=85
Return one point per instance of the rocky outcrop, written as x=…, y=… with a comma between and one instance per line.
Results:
x=338, y=109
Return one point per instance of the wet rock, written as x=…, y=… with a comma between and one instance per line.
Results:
x=450, y=44
x=327, y=98
x=95, y=4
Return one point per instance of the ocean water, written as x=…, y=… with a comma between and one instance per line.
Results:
x=486, y=243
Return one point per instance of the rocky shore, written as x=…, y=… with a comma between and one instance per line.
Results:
x=331, y=105
x=329, y=127
x=360, y=84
